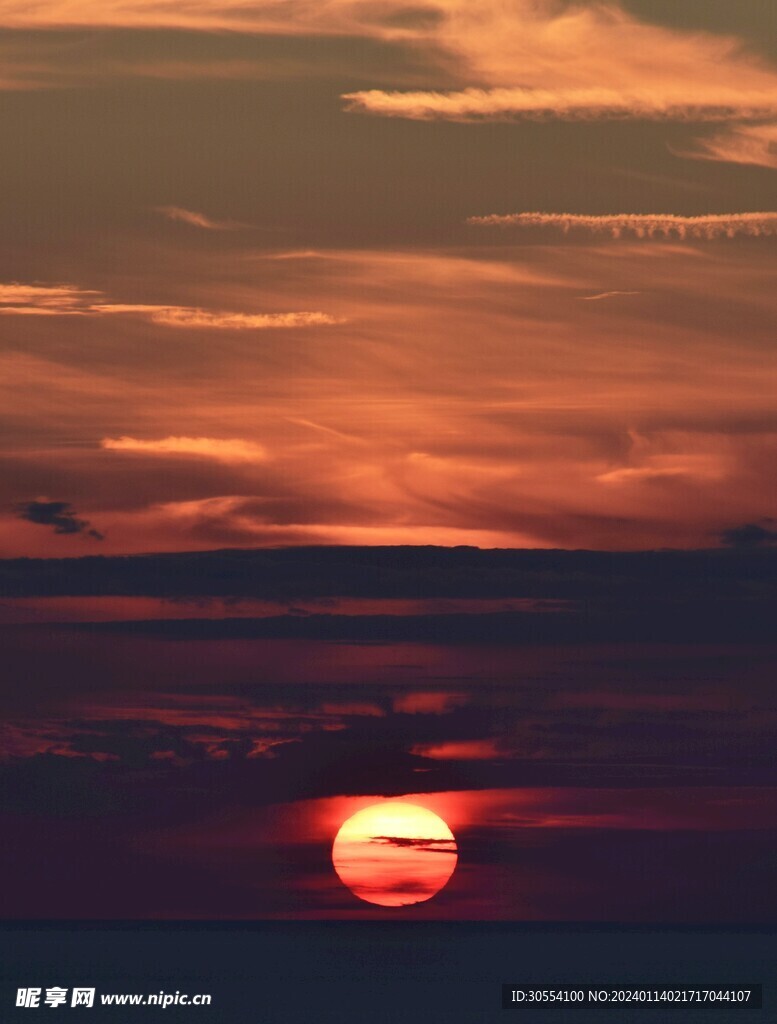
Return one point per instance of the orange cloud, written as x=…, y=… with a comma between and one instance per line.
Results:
x=16, y=297
x=741, y=144
x=222, y=450
x=470, y=399
x=566, y=104
x=69, y=300
x=293, y=17
x=650, y=225
x=539, y=60
x=511, y=59
x=700, y=467
x=177, y=316
x=492, y=44
x=606, y=295
x=197, y=220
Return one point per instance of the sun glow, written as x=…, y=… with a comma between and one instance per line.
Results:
x=394, y=854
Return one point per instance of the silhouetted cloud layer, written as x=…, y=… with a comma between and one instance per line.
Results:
x=750, y=535
x=399, y=572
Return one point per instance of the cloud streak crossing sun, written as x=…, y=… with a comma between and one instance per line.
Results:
x=383, y=854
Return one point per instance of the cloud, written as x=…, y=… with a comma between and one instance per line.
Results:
x=56, y=299
x=710, y=226
x=284, y=574
x=45, y=59
x=432, y=845
x=58, y=514
x=750, y=535
x=182, y=316
x=435, y=702
x=541, y=60
x=220, y=449
x=493, y=44
x=606, y=295
x=598, y=103
x=742, y=144
x=70, y=300
x=292, y=17
x=197, y=220
x=500, y=60
x=699, y=466
x=487, y=401
x=464, y=750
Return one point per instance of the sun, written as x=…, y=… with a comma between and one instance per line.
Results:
x=394, y=854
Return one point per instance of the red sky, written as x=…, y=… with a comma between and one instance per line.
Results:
x=330, y=308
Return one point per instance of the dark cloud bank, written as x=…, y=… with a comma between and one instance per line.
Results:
x=398, y=572
x=131, y=816
x=720, y=595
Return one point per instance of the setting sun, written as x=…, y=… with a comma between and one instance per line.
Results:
x=394, y=854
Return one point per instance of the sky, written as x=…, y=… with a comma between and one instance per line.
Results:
x=370, y=273
x=387, y=412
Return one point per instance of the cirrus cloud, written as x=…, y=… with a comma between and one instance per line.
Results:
x=648, y=225
x=197, y=220
x=743, y=144
x=593, y=103
x=175, y=316
x=71, y=300
x=541, y=60
x=221, y=449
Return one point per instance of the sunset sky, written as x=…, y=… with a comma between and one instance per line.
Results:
x=267, y=276
x=291, y=288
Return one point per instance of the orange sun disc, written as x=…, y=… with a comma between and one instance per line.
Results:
x=394, y=854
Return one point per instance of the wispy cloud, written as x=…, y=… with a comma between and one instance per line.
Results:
x=17, y=297
x=666, y=467
x=190, y=316
x=606, y=295
x=221, y=449
x=740, y=144
x=68, y=300
x=500, y=443
x=504, y=59
x=541, y=60
x=291, y=17
x=567, y=104
x=648, y=225
x=537, y=44
x=197, y=220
